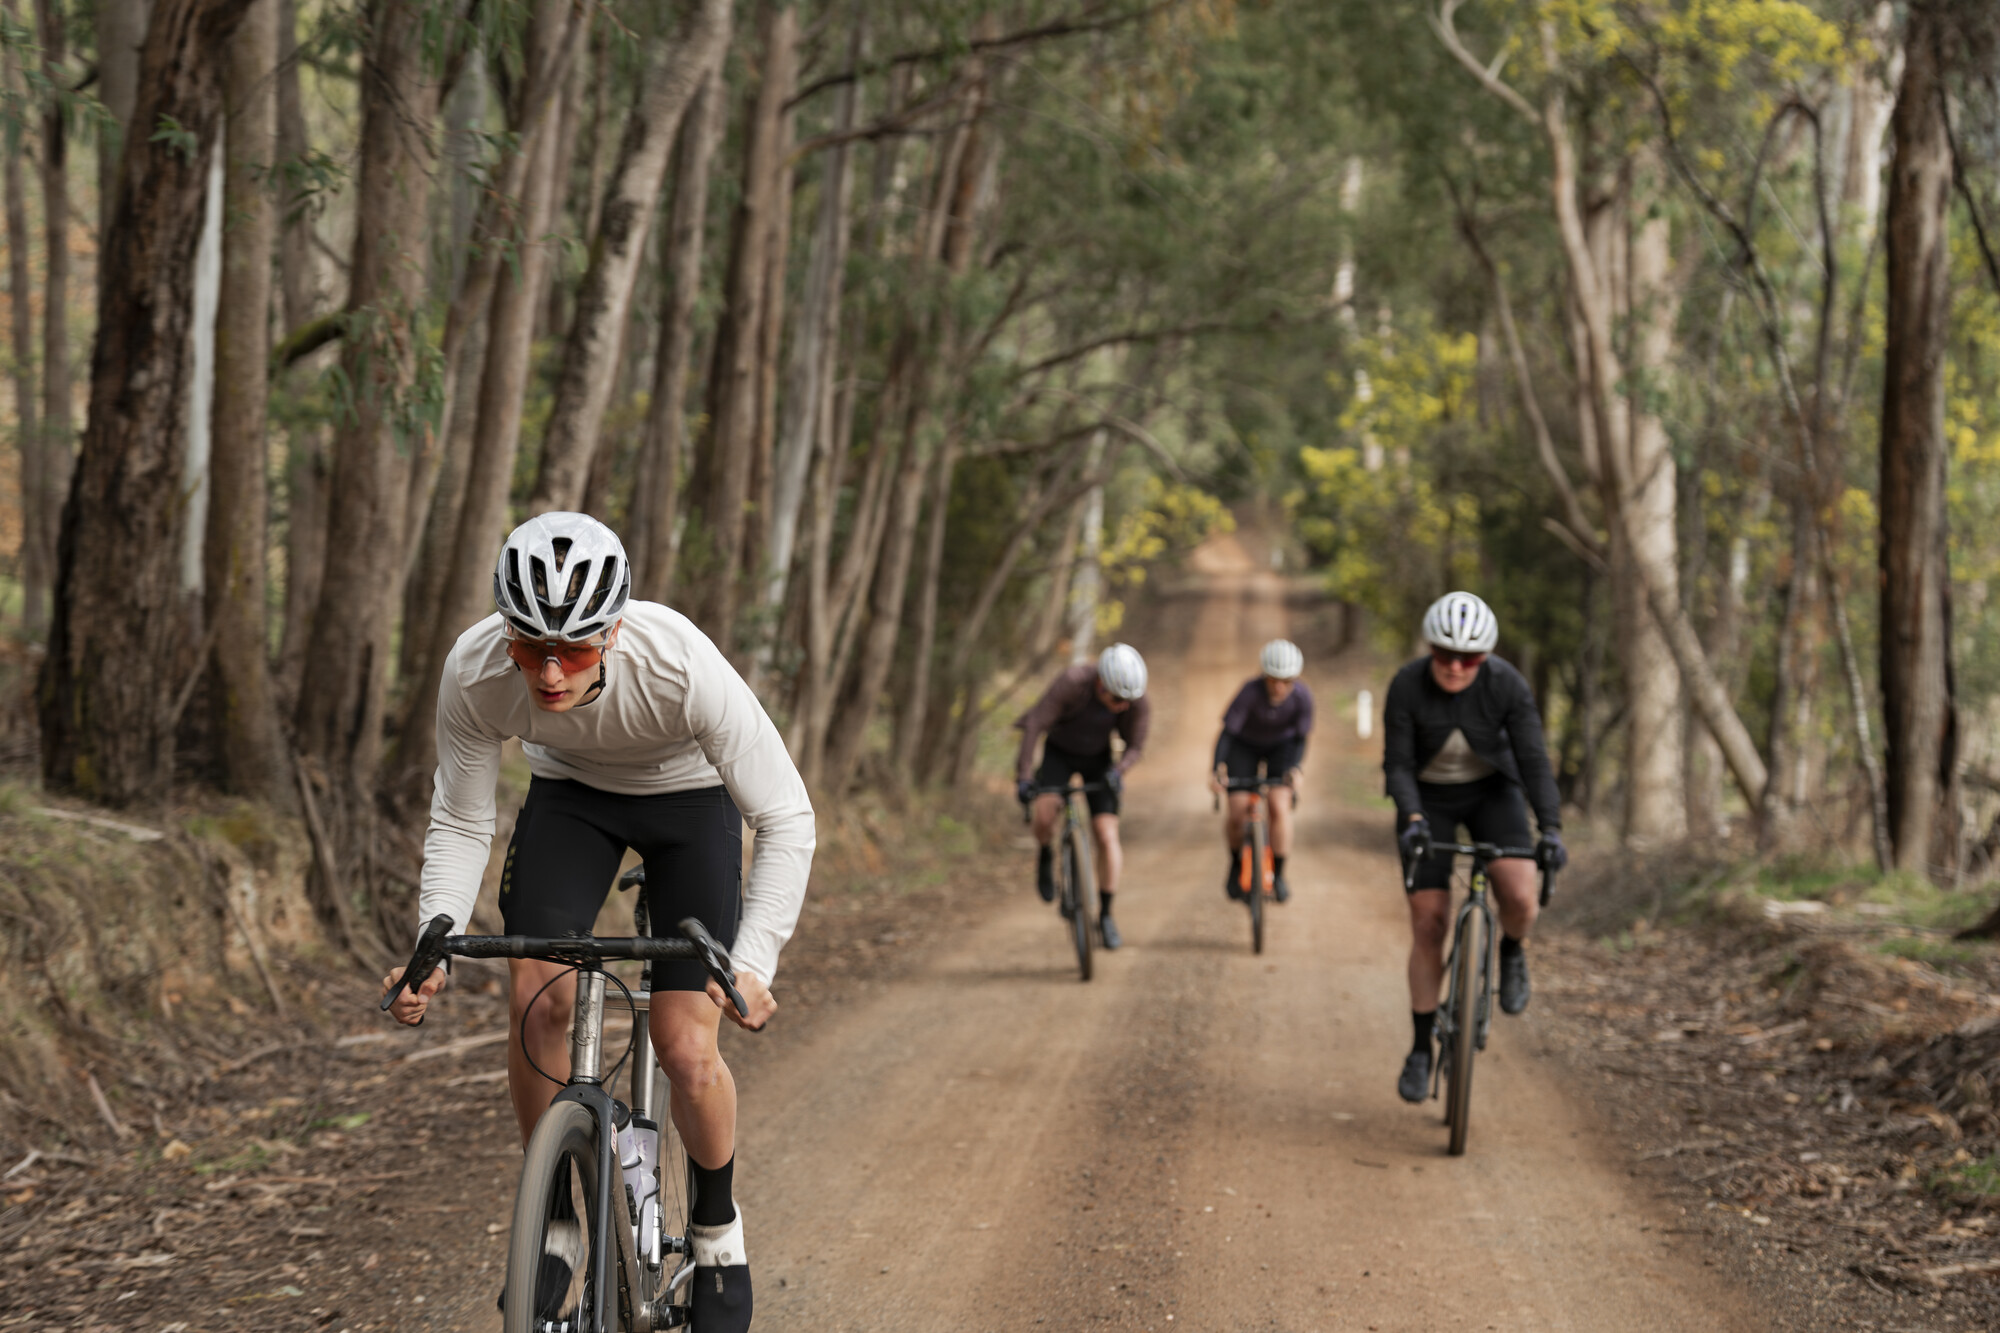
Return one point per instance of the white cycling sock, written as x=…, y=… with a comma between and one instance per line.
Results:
x=720, y=1246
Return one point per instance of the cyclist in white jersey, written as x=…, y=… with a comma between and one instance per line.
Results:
x=639, y=735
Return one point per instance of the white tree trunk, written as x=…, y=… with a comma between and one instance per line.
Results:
x=1086, y=584
x=201, y=389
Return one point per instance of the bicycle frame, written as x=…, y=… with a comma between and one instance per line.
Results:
x=1477, y=900
x=586, y=1080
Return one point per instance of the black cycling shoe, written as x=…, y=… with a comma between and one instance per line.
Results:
x=1514, y=988
x=1107, y=930
x=1415, y=1083
x=1280, y=890
x=1045, y=874
x=720, y=1293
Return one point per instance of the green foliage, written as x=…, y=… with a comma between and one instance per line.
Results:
x=1171, y=521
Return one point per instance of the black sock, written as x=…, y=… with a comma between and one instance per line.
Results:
x=1103, y=903
x=1045, y=858
x=1509, y=946
x=1278, y=865
x=713, y=1204
x=1423, y=1024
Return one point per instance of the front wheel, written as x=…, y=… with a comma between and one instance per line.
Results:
x=551, y=1218
x=1079, y=873
x=1258, y=882
x=1467, y=949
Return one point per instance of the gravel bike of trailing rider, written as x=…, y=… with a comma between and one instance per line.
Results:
x=641, y=736
x=1267, y=723
x=1462, y=744
x=1078, y=713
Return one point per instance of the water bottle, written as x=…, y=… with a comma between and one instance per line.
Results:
x=639, y=1156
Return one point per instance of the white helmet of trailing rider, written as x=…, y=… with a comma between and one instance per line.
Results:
x=1282, y=660
x=562, y=576
x=1462, y=623
x=1123, y=671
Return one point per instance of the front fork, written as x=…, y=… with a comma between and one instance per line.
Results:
x=1483, y=1010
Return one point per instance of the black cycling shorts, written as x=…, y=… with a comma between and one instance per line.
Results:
x=570, y=838
x=1241, y=758
x=1058, y=764
x=1491, y=809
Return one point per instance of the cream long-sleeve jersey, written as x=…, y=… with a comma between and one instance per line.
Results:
x=673, y=716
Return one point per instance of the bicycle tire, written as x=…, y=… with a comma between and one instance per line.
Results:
x=676, y=1211
x=1254, y=849
x=1470, y=944
x=568, y=1130
x=1082, y=881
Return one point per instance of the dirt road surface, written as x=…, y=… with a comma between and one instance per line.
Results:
x=945, y=1131
x=1199, y=1138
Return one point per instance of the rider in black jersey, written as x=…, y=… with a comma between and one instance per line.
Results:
x=1463, y=745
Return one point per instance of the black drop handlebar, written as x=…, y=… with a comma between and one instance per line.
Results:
x=1258, y=785
x=1065, y=790
x=1482, y=854
x=695, y=943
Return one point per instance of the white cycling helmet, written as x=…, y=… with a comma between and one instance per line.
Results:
x=1460, y=622
x=1282, y=660
x=1123, y=671
x=562, y=576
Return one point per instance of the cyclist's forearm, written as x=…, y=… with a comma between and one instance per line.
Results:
x=454, y=865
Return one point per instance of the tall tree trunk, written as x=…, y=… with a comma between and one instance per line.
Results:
x=1655, y=788
x=121, y=29
x=1088, y=578
x=249, y=750
x=37, y=529
x=482, y=520
x=917, y=695
x=604, y=301
x=58, y=427
x=656, y=499
x=729, y=453
x=770, y=341
x=818, y=329
x=342, y=693
x=1919, y=712
x=306, y=463
x=107, y=684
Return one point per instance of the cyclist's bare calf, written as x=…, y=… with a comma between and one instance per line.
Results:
x=1516, y=892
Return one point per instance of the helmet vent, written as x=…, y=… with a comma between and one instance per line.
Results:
x=561, y=547
x=606, y=581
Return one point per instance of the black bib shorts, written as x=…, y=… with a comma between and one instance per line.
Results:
x=1492, y=810
x=570, y=838
x=1058, y=764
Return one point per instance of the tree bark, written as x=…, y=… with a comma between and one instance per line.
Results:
x=248, y=748
x=604, y=301
x=107, y=684
x=657, y=500
x=729, y=453
x=58, y=427
x=1919, y=712
x=482, y=519
x=37, y=531
x=342, y=693
x=121, y=30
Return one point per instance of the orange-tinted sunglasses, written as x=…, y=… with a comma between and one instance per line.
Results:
x=530, y=654
x=1446, y=657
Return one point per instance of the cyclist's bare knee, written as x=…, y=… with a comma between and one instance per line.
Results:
x=541, y=997
x=684, y=1027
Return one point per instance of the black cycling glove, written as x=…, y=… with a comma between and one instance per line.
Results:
x=1550, y=854
x=1415, y=839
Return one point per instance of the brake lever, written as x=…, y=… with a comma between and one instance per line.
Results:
x=423, y=960
x=716, y=960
